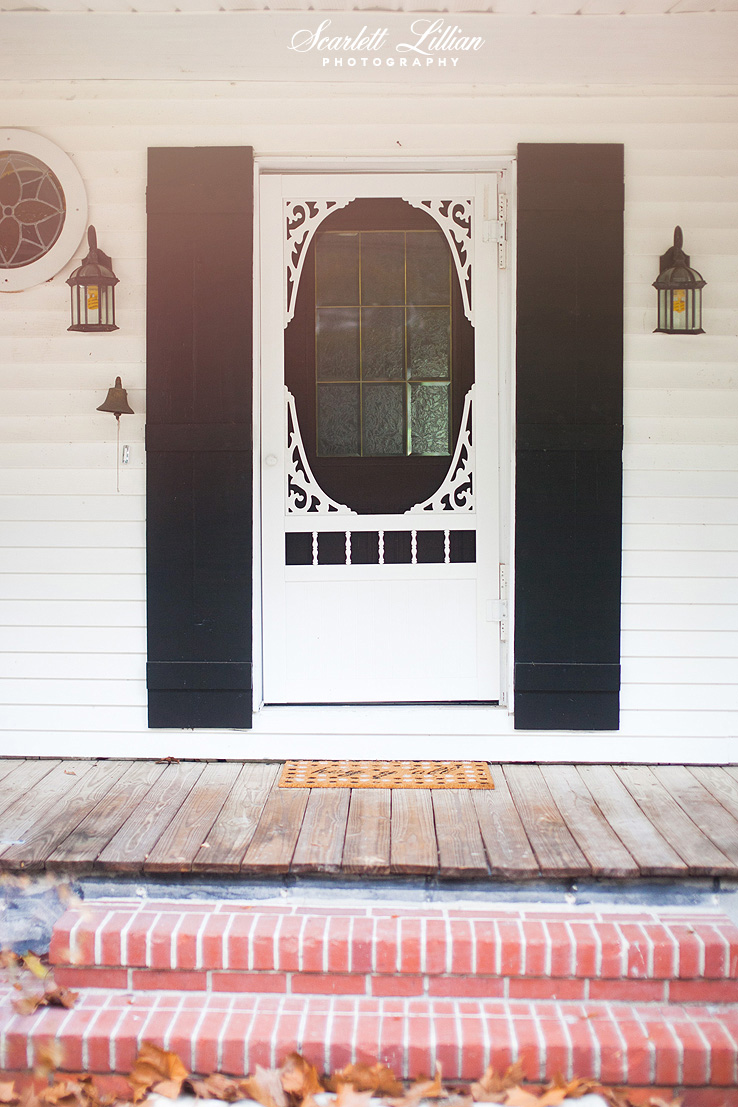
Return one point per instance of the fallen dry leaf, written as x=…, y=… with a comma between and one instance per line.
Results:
x=422, y=1089
x=491, y=1088
x=299, y=1077
x=217, y=1086
x=49, y=1058
x=27, y=1004
x=156, y=1070
x=8, y=1093
x=347, y=1096
x=368, y=1078
x=265, y=1086
x=33, y=963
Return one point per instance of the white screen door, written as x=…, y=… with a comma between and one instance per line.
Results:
x=380, y=453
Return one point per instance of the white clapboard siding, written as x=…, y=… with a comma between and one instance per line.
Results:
x=72, y=618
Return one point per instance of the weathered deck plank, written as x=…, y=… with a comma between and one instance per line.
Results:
x=178, y=845
x=557, y=852
x=599, y=843
x=460, y=845
x=323, y=831
x=653, y=854
x=230, y=836
x=694, y=847
x=367, y=846
x=413, y=837
x=80, y=849
x=273, y=845
x=128, y=849
x=508, y=849
x=59, y=818
x=616, y=822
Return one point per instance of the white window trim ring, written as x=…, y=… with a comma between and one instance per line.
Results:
x=75, y=218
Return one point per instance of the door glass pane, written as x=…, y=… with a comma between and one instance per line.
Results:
x=337, y=268
x=383, y=267
x=429, y=419
x=337, y=343
x=429, y=343
x=383, y=343
x=338, y=420
x=428, y=268
x=383, y=420
x=383, y=319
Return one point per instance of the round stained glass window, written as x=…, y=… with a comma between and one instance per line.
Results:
x=43, y=209
x=31, y=209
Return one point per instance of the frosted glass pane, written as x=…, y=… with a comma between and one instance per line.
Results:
x=337, y=344
x=429, y=422
x=337, y=268
x=383, y=343
x=338, y=420
x=383, y=268
x=429, y=343
x=428, y=268
x=383, y=420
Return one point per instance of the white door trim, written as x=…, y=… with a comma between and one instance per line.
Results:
x=298, y=720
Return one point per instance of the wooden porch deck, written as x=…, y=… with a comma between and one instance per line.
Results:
x=550, y=821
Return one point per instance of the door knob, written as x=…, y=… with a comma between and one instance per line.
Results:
x=271, y=460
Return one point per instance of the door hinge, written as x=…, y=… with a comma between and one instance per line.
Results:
x=502, y=231
x=497, y=613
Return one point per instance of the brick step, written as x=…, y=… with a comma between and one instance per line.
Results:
x=512, y=953
x=634, y=1044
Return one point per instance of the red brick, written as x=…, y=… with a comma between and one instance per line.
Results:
x=627, y=991
x=487, y=946
x=212, y=940
x=60, y=948
x=462, y=946
x=482, y=986
x=558, y=1049
x=611, y=940
x=110, y=938
x=260, y=1037
x=315, y=1034
x=237, y=941
x=665, y=1049
x=503, y=1047
x=186, y=948
x=205, y=1043
x=328, y=984
x=181, y=1036
x=337, y=937
x=695, y=1062
x=582, y=1043
x=133, y=938
x=690, y=950
x=285, y=1036
x=638, y=1054
x=248, y=982
x=511, y=939
x=367, y=1036
x=527, y=988
x=419, y=1047
x=396, y=985
x=410, y=945
x=104, y=977
x=585, y=949
x=717, y=954
x=703, y=991
x=312, y=943
x=235, y=1054
x=435, y=946
x=473, y=1046
x=151, y=979
x=529, y=1051
x=338, y=1049
x=391, y=1046
x=639, y=948
x=665, y=953
x=534, y=956
x=447, y=1039
x=262, y=943
x=612, y=1059
x=99, y=1039
x=723, y=1053
x=386, y=945
x=288, y=945
x=362, y=937
x=160, y=941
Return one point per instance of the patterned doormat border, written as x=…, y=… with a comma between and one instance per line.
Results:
x=386, y=774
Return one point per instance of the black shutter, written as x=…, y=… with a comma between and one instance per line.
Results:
x=198, y=436
x=569, y=436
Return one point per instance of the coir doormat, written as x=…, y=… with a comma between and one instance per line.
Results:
x=386, y=774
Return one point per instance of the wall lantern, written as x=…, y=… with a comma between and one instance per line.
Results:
x=680, y=292
x=93, y=291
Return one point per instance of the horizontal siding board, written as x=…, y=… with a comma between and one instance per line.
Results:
x=681, y=434
x=72, y=613
x=68, y=692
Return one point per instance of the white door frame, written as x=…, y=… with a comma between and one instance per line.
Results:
x=337, y=720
